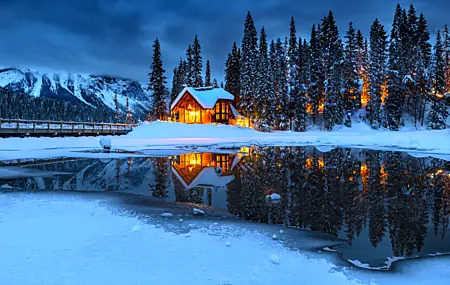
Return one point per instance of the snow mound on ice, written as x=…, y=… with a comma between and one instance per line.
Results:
x=275, y=259
x=273, y=196
x=167, y=215
x=105, y=143
x=198, y=212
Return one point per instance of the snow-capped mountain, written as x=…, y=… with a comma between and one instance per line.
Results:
x=92, y=90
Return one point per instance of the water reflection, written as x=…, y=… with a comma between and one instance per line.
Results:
x=384, y=204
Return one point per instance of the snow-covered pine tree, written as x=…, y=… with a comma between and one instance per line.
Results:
x=117, y=113
x=316, y=78
x=363, y=66
x=157, y=80
x=297, y=90
x=262, y=122
x=438, y=113
x=266, y=92
x=208, y=73
x=350, y=71
x=175, y=83
x=377, y=72
x=281, y=82
x=197, y=64
x=396, y=72
x=233, y=72
x=190, y=66
x=424, y=64
x=412, y=61
x=446, y=44
x=332, y=56
x=248, y=68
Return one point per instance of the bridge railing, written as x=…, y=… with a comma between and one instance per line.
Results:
x=40, y=125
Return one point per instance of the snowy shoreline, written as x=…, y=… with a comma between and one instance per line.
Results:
x=118, y=247
x=163, y=135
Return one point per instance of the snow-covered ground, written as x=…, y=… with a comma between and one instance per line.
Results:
x=45, y=239
x=159, y=135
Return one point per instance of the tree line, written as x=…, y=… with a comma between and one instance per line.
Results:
x=295, y=83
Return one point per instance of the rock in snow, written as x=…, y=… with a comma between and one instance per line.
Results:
x=167, y=215
x=281, y=232
x=274, y=236
x=275, y=259
x=198, y=212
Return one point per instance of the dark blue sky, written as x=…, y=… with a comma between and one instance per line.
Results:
x=115, y=36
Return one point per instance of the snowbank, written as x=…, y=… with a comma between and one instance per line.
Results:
x=114, y=248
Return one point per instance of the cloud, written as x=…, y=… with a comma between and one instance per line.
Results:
x=115, y=36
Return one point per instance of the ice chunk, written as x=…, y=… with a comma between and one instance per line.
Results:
x=273, y=197
x=167, y=215
x=198, y=212
x=275, y=259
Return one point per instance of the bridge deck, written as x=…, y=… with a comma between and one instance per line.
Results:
x=22, y=128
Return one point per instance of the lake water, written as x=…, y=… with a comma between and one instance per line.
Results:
x=383, y=205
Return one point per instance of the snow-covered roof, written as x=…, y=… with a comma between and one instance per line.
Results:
x=208, y=177
x=205, y=96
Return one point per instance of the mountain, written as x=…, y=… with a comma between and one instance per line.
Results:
x=80, y=89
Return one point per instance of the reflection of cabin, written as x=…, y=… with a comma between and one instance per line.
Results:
x=204, y=105
x=207, y=170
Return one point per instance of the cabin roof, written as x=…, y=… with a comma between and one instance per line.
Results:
x=205, y=96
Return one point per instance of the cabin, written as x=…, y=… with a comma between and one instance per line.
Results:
x=205, y=105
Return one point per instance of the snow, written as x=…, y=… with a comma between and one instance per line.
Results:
x=206, y=97
x=207, y=177
x=167, y=215
x=160, y=135
x=275, y=259
x=66, y=239
x=227, y=244
x=273, y=196
x=105, y=143
x=198, y=212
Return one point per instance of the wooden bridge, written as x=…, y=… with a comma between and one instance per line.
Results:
x=36, y=128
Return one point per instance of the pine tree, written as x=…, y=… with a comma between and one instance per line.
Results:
x=446, y=44
x=316, y=77
x=281, y=82
x=363, y=67
x=117, y=113
x=377, y=72
x=424, y=63
x=215, y=84
x=197, y=64
x=233, y=73
x=438, y=113
x=350, y=71
x=332, y=57
x=248, y=68
x=157, y=80
x=175, y=83
x=396, y=73
x=190, y=66
x=208, y=74
x=265, y=91
x=297, y=76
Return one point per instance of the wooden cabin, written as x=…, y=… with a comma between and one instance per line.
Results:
x=204, y=105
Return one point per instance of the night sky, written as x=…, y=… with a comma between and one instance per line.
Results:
x=114, y=37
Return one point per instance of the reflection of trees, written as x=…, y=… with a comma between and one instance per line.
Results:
x=344, y=191
x=161, y=177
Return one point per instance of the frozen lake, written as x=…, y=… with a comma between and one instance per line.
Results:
x=369, y=207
